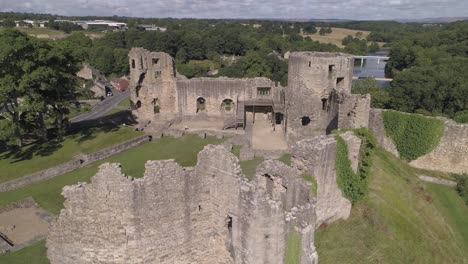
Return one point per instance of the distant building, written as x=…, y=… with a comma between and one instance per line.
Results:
x=120, y=84
x=101, y=24
x=152, y=28
x=31, y=23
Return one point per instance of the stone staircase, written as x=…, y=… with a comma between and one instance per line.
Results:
x=238, y=119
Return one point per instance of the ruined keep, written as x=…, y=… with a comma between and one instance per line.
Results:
x=204, y=214
x=317, y=100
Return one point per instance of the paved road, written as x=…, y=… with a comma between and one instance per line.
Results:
x=103, y=107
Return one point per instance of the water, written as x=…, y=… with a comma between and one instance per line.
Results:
x=372, y=68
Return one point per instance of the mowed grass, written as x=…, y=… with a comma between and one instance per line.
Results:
x=35, y=254
x=337, y=35
x=403, y=220
x=48, y=193
x=36, y=157
x=43, y=32
x=293, y=248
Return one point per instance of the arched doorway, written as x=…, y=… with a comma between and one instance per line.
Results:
x=138, y=104
x=227, y=105
x=201, y=104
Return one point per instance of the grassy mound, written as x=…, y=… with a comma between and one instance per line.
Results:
x=402, y=220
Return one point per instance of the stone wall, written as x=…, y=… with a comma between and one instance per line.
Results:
x=152, y=83
x=376, y=125
x=451, y=155
x=76, y=163
x=317, y=157
x=41, y=175
x=205, y=214
x=317, y=82
x=215, y=90
x=354, y=111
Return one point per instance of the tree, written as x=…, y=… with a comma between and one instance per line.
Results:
x=374, y=47
x=15, y=53
x=309, y=29
x=322, y=31
x=379, y=97
x=8, y=23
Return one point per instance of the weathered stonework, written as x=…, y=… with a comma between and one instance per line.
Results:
x=451, y=155
x=318, y=95
x=205, y=214
x=316, y=157
x=354, y=146
x=376, y=125
x=317, y=101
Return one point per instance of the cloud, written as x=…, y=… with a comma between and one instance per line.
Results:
x=348, y=9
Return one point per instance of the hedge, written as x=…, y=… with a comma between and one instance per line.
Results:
x=413, y=135
x=462, y=186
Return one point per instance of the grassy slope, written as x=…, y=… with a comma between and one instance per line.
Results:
x=402, y=221
x=34, y=158
x=48, y=193
x=35, y=254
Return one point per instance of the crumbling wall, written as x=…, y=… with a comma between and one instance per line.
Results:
x=215, y=90
x=376, y=125
x=354, y=146
x=152, y=84
x=317, y=157
x=205, y=214
x=354, y=111
x=316, y=84
x=451, y=155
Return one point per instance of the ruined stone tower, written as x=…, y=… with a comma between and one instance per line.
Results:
x=317, y=82
x=153, y=84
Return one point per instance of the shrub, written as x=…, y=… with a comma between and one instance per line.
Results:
x=462, y=186
x=355, y=186
x=413, y=135
x=461, y=117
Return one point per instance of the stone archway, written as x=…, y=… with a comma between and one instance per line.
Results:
x=227, y=105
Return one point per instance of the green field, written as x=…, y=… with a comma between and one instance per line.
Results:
x=403, y=220
x=36, y=157
x=35, y=254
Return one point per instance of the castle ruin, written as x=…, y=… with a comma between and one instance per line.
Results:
x=317, y=100
x=210, y=213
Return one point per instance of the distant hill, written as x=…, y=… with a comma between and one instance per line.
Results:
x=433, y=20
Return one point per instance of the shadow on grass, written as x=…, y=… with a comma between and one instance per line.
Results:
x=33, y=149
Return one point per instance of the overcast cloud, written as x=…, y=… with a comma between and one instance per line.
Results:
x=344, y=9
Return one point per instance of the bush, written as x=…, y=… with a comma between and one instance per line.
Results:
x=413, y=135
x=355, y=186
x=461, y=117
x=462, y=186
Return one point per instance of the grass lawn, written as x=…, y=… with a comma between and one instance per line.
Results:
x=403, y=220
x=293, y=248
x=48, y=193
x=35, y=254
x=125, y=103
x=249, y=167
x=36, y=157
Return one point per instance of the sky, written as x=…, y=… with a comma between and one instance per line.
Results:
x=281, y=9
